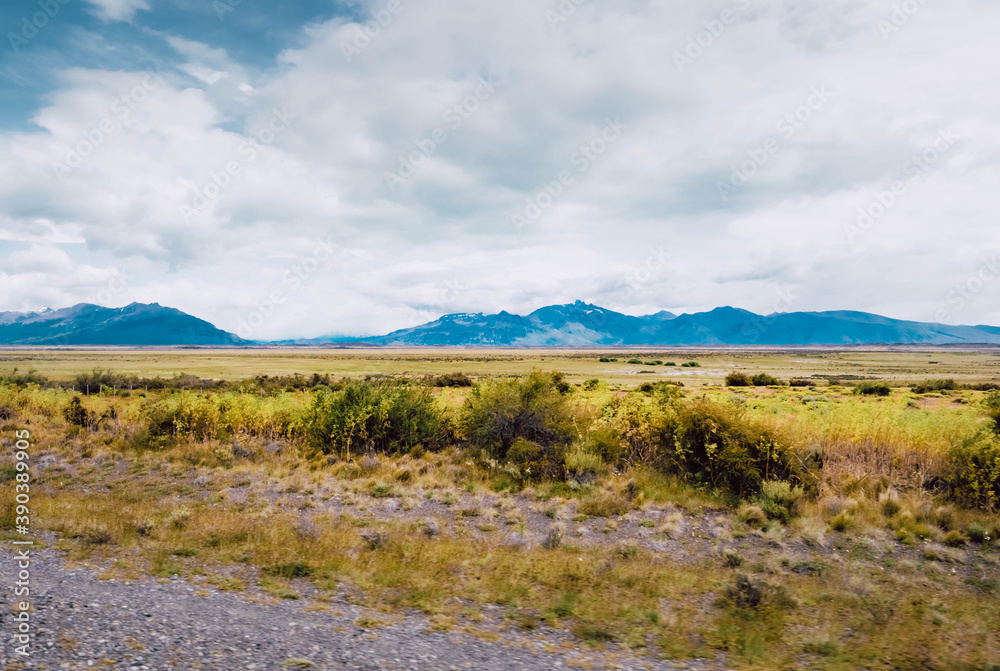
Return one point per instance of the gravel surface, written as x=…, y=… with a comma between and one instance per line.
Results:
x=82, y=622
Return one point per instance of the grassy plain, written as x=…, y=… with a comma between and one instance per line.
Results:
x=900, y=365
x=865, y=557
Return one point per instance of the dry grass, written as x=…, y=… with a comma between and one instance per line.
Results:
x=880, y=592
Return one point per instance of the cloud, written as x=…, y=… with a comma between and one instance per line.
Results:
x=118, y=10
x=412, y=146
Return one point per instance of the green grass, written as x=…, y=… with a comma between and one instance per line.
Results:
x=876, y=590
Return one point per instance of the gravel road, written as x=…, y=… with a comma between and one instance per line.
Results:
x=83, y=622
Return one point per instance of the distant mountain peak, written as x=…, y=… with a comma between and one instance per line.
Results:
x=136, y=324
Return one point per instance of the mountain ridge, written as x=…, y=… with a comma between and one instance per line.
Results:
x=575, y=324
x=586, y=325
x=137, y=324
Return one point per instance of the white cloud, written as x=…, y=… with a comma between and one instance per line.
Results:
x=401, y=254
x=118, y=10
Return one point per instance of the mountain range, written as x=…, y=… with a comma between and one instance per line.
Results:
x=581, y=324
x=136, y=324
x=573, y=325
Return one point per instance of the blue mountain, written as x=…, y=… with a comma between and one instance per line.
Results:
x=137, y=324
x=582, y=324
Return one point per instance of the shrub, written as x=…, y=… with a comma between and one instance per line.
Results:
x=978, y=532
x=670, y=363
x=76, y=414
x=499, y=413
x=732, y=559
x=752, y=516
x=800, y=383
x=778, y=500
x=934, y=385
x=22, y=380
x=873, y=389
x=452, y=380
x=718, y=445
x=737, y=380
x=637, y=429
x=993, y=409
x=974, y=471
x=603, y=503
x=537, y=461
x=635, y=360
x=691, y=364
x=843, y=521
x=765, y=380
x=374, y=416
x=183, y=413
x=605, y=359
x=955, y=539
x=750, y=594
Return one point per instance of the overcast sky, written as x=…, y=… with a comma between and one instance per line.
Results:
x=356, y=167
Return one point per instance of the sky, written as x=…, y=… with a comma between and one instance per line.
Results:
x=350, y=167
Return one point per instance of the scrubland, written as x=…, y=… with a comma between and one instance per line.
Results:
x=816, y=525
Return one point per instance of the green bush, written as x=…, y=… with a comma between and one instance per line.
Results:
x=935, y=385
x=538, y=462
x=605, y=359
x=737, y=380
x=77, y=415
x=974, y=471
x=183, y=413
x=635, y=360
x=498, y=413
x=778, y=500
x=765, y=380
x=379, y=416
x=873, y=389
x=993, y=409
x=452, y=380
x=716, y=444
x=642, y=426
x=691, y=364
x=800, y=383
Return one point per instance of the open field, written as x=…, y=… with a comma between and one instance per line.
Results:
x=902, y=365
x=604, y=518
